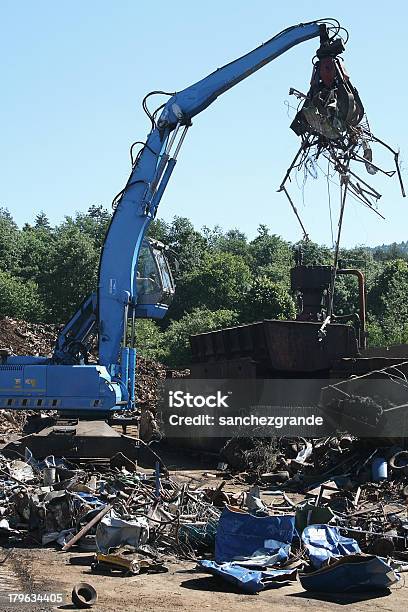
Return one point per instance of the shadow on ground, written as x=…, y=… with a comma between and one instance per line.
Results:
x=209, y=583
x=342, y=599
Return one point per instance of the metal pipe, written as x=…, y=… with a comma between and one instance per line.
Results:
x=125, y=324
x=133, y=333
x=172, y=139
x=163, y=183
x=362, y=301
x=157, y=479
x=292, y=165
x=305, y=234
x=87, y=527
x=124, y=366
x=343, y=191
x=180, y=142
x=132, y=375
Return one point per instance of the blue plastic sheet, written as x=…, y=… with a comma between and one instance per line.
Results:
x=351, y=574
x=250, y=581
x=241, y=536
x=323, y=542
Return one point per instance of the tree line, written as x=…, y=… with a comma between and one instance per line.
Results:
x=222, y=278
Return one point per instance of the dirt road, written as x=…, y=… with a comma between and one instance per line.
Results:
x=181, y=589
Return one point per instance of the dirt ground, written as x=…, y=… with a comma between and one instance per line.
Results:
x=181, y=589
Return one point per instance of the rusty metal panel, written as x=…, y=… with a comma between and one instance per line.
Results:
x=229, y=343
x=288, y=346
x=294, y=346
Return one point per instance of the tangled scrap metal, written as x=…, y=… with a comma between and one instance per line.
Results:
x=331, y=123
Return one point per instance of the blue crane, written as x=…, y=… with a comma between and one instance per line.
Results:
x=134, y=278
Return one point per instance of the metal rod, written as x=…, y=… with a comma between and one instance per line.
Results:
x=133, y=334
x=344, y=181
x=132, y=375
x=346, y=170
x=358, y=194
x=396, y=155
x=172, y=139
x=125, y=324
x=305, y=234
x=363, y=160
x=292, y=165
x=180, y=142
x=157, y=479
x=87, y=527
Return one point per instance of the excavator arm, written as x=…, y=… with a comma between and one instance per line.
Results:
x=137, y=204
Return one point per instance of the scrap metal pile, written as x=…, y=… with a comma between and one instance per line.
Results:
x=22, y=338
x=336, y=508
x=130, y=519
x=334, y=129
x=354, y=501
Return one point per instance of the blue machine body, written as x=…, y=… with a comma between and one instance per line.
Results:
x=65, y=382
x=33, y=384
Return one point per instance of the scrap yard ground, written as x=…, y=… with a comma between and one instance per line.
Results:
x=193, y=490
x=183, y=588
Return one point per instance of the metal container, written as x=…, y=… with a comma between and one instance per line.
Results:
x=49, y=476
x=379, y=469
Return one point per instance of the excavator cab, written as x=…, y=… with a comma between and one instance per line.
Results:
x=154, y=281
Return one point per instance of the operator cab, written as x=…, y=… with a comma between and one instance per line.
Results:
x=153, y=281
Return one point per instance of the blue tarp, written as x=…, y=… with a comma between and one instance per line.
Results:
x=241, y=536
x=245, y=543
x=323, y=542
x=354, y=573
x=250, y=581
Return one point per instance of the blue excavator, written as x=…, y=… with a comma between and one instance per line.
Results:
x=134, y=280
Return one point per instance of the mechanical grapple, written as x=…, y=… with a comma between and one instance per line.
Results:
x=332, y=104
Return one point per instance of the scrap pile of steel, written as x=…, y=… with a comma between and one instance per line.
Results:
x=357, y=485
x=129, y=518
x=335, y=515
x=11, y=422
x=22, y=338
x=259, y=549
x=321, y=523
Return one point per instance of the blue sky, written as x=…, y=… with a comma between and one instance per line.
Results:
x=74, y=74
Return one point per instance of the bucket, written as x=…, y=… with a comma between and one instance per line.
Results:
x=379, y=469
x=49, y=476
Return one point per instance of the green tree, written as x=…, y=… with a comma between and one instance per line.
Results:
x=266, y=299
x=93, y=223
x=271, y=256
x=315, y=254
x=218, y=282
x=37, y=244
x=159, y=230
x=149, y=340
x=232, y=241
x=20, y=299
x=41, y=221
x=346, y=295
x=72, y=273
x=388, y=300
x=176, y=337
x=9, y=243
